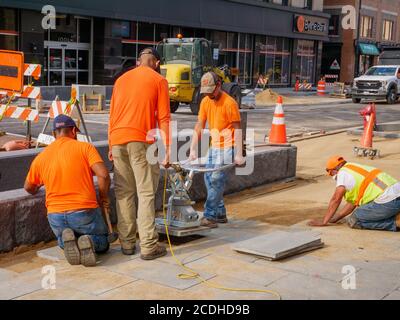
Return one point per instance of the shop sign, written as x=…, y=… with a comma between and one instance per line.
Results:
x=63, y=37
x=335, y=65
x=310, y=25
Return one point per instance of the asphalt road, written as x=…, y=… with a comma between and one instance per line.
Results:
x=298, y=118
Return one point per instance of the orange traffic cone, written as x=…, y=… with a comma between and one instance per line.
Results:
x=321, y=88
x=277, y=135
x=366, y=140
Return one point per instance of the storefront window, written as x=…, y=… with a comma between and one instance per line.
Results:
x=365, y=63
x=272, y=59
x=388, y=30
x=119, y=29
x=305, y=60
x=162, y=32
x=141, y=36
x=84, y=27
x=8, y=29
x=235, y=50
x=245, y=58
x=366, y=26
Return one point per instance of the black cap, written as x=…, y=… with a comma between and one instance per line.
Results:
x=152, y=51
x=63, y=121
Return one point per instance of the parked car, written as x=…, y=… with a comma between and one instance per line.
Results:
x=380, y=82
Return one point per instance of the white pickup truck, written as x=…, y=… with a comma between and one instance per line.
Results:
x=380, y=82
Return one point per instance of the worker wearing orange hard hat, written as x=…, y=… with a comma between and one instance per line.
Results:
x=372, y=196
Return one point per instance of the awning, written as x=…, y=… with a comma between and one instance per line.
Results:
x=368, y=49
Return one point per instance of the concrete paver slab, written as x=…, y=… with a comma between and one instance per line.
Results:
x=167, y=274
x=385, y=267
x=53, y=254
x=7, y=274
x=205, y=292
x=226, y=251
x=375, y=285
x=114, y=257
x=94, y=281
x=277, y=244
x=60, y=293
x=369, y=286
x=184, y=255
x=395, y=295
x=227, y=266
x=17, y=285
x=302, y=287
x=147, y=290
x=309, y=266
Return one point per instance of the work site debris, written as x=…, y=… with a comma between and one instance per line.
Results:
x=280, y=244
x=269, y=96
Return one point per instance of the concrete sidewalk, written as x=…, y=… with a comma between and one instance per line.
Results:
x=320, y=274
x=374, y=255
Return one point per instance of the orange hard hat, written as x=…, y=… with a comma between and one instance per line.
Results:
x=333, y=162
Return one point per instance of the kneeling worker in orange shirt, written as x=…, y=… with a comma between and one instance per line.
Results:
x=66, y=168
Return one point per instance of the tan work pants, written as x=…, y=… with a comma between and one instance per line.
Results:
x=135, y=177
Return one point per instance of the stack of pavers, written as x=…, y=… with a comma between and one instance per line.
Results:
x=280, y=244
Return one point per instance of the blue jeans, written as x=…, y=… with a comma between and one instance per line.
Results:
x=83, y=222
x=378, y=216
x=214, y=207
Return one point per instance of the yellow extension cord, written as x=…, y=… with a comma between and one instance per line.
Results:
x=195, y=275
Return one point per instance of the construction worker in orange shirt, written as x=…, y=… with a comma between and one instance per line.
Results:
x=139, y=104
x=372, y=196
x=221, y=112
x=66, y=168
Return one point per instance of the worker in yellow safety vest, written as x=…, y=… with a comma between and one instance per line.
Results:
x=372, y=196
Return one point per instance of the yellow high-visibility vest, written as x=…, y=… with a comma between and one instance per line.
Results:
x=370, y=183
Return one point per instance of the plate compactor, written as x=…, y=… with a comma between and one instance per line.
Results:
x=181, y=218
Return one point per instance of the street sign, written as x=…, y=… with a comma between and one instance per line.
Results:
x=335, y=65
x=11, y=70
x=47, y=139
x=216, y=54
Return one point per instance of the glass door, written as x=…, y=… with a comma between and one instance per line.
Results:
x=55, y=63
x=66, y=64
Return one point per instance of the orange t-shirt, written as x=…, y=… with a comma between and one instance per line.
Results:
x=220, y=115
x=64, y=170
x=139, y=102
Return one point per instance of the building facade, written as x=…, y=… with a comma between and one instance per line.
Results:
x=355, y=50
x=92, y=42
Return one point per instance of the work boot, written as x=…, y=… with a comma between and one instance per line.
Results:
x=158, y=252
x=128, y=252
x=353, y=222
x=398, y=221
x=71, y=250
x=204, y=222
x=88, y=255
x=222, y=220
